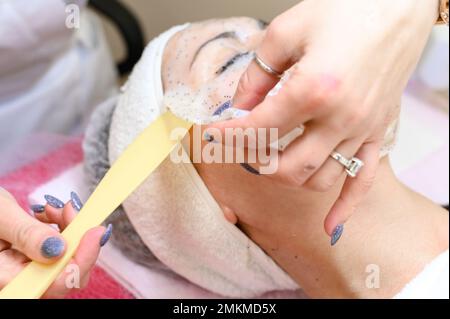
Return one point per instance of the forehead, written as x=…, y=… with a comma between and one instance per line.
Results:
x=182, y=47
x=243, y=27
x=194, y=87
x=184, y=42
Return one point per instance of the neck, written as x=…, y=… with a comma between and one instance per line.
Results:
x=290, y=230
x=394, y=233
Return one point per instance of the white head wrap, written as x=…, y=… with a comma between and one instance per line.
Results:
x=173, y=211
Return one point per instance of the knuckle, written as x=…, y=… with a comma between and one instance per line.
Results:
x=321, y=185
x=294, y=181
x=276, y=37
x=298, y=176
x=356, y=116
x=22, y=235
x=292, y=97
x=276, y=30
x=320, y=97
x=366, y=183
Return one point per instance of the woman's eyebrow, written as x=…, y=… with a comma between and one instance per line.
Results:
x=224, y=35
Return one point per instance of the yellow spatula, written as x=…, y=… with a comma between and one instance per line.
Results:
x=140, y=159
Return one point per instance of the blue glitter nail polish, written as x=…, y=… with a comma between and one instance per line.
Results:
x=222, y=108
x=106, y=236
x=250, y=169
x=52, y=247
x=337, y=233
x=53, y=201
x=76, y=201
x=37, y=209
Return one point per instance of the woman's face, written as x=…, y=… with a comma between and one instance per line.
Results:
x=201, y=69
x=203, y=63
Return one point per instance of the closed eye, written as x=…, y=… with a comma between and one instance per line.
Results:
x=230, y=62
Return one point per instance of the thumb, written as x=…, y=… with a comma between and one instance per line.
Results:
x=5, y=193
x=36, y=240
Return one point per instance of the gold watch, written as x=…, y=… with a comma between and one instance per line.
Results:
x=443, y=12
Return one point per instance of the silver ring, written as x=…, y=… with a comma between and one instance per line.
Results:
x=267, y=68
x=352, y=166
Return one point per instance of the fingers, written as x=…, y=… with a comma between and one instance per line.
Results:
x=302, y=98
x=89, y=249
x=253, y=86
x=331, y=171
x=68, y=215
x=76, y=274
x=50, y=212
x=59, y=216
x=36, y=240
x=255, y=83
x=355, y=189
x=306, y=155
x=52, y=215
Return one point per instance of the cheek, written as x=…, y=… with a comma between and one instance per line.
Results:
x=223, y=91
x=199, y=105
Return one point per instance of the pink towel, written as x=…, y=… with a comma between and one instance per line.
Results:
x=26, y=179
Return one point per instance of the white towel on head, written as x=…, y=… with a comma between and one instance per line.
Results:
x=141, y=101
x=173, y=211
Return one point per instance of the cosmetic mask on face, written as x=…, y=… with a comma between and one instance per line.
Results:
x=173, y=211
x=200, y=105
x=201, y=82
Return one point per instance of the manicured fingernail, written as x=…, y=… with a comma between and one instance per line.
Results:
x=37, y=209
x=337, y=233
x=53, y=201
x=208, y=137
x=250, y=169
x=76, y=201
x=52, y=247
x=222, y=108
x=106, y=236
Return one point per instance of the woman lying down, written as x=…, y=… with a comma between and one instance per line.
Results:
x=237, y=233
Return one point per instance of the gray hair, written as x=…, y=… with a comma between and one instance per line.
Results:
x=96, y=164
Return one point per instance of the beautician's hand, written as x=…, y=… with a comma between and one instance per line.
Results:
x=354, y=60
x=23, y=238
